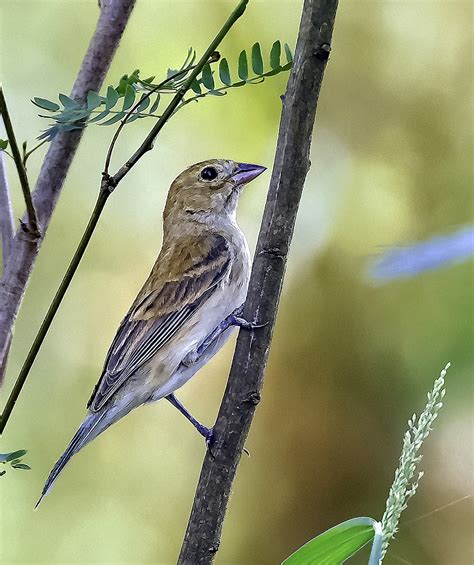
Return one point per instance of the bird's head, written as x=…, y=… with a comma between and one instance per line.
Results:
x=208, y=191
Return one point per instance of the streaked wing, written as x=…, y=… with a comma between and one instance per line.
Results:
x=168, y=299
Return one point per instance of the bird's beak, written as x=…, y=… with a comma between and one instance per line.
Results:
x=246, y=172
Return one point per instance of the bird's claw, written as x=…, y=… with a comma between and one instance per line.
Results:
x=243, y=323
x=210, y=440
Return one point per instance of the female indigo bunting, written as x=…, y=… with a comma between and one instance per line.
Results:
x=186, y=309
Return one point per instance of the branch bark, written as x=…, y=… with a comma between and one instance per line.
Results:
x=24, y=250
x=242, y=393
x=7, y=222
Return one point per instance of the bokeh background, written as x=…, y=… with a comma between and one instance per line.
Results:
x=351, y=359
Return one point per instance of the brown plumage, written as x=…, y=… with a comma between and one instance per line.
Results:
x=182, y=272
x=199, y=278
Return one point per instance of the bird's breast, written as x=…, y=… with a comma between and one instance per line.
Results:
x=228, y=295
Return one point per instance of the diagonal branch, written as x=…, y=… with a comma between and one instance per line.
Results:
x=7, y=222
x=147, y=144
x=212, y=59
x=245, y=383
x=110, y=27
x=108, y=185
x=32, y=225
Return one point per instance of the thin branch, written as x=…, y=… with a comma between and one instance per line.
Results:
x=156, y=88
x=26, y=154
x=10, y=404
x=108, y=184
x=32, y=225
x=110, y=27
x=147, y=144
x=243, y=390
x=6, y=213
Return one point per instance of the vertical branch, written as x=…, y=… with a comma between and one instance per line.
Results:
x=243, y=390
x=7, y=229
x=31, y=226
x=7, y=222
x=110, y=27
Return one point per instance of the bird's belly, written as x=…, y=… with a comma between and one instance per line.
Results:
x=183, y=373
x=169, y=375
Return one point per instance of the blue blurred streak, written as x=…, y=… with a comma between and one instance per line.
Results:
x=434, y=253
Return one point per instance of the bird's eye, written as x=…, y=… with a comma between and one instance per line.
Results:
x=209, y=173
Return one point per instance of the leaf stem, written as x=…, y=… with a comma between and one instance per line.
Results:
x=108, y=184
x=32, y=226
x=26, y=154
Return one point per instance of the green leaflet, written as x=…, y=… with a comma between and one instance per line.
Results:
x=155, y=104
x=257, y=60
x=94, y=100
x=111, y=98
x=46, y=104
x=243, y=68
x=129, y=98
x=114, y=119
x=275, y=54
x=207, y=78
x=224, y=73
x=13, y=455
x=68, y=103
x=143, y=104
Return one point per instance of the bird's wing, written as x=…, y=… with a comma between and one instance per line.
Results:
x=184, y=277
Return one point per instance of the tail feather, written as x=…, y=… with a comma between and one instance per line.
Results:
x=87, y=432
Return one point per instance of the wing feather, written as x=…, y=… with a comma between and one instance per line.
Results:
x=180, y=283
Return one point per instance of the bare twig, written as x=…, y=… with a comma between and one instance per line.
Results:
x=243, y=390
x=31, y=226
x=108, y=185
x=111, y=24
x=6, y=213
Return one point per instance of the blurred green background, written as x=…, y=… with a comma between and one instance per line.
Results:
x=350, y=361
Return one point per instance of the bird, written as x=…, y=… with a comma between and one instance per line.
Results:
x=187, y=308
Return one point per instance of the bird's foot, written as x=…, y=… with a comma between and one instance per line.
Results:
x=208, y=435
x=234, y=319
x=243, y=323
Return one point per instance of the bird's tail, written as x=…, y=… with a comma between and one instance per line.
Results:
x=90, y=428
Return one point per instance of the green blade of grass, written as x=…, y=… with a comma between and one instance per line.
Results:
x=335, y=545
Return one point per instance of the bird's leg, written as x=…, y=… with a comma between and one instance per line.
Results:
x=207, y=433
x=233, y=319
